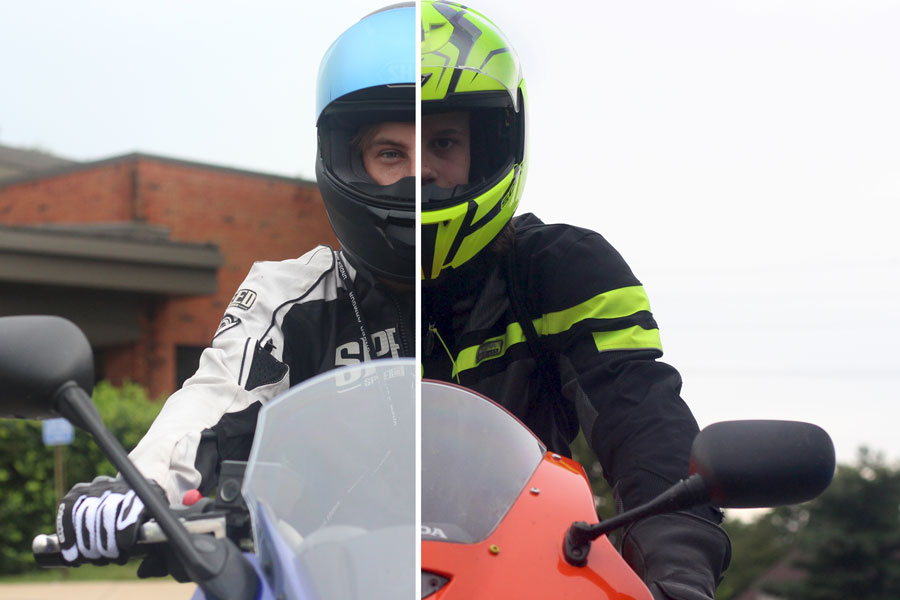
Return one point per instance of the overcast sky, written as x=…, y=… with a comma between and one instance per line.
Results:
x=744, y=157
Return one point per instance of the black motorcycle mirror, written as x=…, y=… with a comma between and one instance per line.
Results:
x=38, y=355
x=47, y=370
x=734, y=464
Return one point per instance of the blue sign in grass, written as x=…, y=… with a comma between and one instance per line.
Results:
x=57, y=432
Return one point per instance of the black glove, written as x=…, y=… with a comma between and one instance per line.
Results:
x=161, y=563
x=680, y=556
x=98, y=522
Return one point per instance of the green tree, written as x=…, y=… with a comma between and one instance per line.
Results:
x=757, y=545
x=604, y=501
x=847, y=540
x=851, y=543
x=28, y=498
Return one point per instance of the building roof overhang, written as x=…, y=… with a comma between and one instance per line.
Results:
x=128, y=257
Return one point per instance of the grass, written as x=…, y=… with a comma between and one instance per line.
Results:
x=82, y=573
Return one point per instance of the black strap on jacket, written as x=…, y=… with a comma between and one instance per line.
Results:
x=550, y=386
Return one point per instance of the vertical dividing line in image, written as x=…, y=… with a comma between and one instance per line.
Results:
x=418, y=316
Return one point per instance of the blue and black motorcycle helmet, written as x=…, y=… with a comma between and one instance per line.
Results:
x=368, y=76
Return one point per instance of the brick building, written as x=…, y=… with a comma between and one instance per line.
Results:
x=143, y=252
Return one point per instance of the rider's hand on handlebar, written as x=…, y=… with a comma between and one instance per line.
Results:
x=98, y=522
x=680, y=556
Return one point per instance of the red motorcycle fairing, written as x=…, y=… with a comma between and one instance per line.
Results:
x=523, y=557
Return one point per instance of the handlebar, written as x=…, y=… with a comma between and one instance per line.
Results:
x=47, y=552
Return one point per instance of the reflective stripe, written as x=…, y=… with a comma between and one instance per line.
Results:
x=615, y=304
x=633, y=338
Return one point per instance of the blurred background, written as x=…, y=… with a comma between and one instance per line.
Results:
x=743, y=156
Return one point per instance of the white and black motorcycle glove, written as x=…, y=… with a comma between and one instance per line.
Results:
x=680, y=556
x=98, y=522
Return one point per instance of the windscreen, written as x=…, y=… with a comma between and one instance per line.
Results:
x=476, y=459
x=331, y=484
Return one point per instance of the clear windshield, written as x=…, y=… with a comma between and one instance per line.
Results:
x=476, y=459
x=331, y=484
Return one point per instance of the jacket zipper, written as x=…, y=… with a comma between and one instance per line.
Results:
x=401, y=330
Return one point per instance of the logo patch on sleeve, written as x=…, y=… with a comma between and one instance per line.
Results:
x=489, y=350
x=243, y=299
x=227, y=322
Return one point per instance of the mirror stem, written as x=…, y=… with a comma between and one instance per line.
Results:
x=684, y=494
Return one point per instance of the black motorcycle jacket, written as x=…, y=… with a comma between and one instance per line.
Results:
x=558, y=330
x=594, y=328
x=289, y=321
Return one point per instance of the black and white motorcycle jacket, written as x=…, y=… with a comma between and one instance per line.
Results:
x=289, y=321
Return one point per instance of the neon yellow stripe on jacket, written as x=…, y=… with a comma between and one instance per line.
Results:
x=614, y=304
x=633, y=338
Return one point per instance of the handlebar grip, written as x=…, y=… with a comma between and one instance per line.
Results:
x=47, y=552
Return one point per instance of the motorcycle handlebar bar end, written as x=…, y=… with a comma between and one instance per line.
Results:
x=45, y=549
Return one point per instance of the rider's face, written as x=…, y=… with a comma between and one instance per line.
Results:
x=389, y=151
x=445, y=149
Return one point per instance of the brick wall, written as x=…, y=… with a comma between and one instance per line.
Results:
x=93, y=195
x=248, y=216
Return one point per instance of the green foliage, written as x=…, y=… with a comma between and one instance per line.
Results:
x=28, y=497
x=604, y=501
x=847, y=540
x=756, y=546
x=850, y=546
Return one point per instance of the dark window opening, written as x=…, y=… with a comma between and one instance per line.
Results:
x=187, y=359
x=99, y=365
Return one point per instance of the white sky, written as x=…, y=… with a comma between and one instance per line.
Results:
x=743, y=155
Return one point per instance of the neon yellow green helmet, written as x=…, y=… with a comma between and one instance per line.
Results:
x=468, y=65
